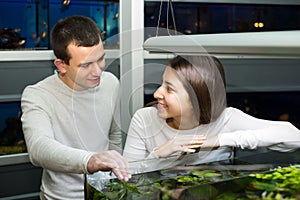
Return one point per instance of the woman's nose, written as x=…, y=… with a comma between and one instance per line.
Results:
x=158, y=94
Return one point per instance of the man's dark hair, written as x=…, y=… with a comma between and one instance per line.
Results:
x=79, y=30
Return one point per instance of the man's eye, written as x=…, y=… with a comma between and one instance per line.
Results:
x=85, y=66
x=100, y=60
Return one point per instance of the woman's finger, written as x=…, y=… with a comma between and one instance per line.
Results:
x=193, y=146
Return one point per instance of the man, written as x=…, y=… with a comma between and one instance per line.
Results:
x=69, y=118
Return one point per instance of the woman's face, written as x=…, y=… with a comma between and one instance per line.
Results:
x=173, y=99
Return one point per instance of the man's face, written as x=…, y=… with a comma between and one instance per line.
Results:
x=85, y=67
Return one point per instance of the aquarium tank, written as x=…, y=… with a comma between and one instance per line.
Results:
x=31, y=27
x=11, y=134
x=265, y=176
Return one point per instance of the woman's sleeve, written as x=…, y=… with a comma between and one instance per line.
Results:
x=245, y=131
x=135, y=147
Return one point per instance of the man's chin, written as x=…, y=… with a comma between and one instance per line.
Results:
x=94, y=86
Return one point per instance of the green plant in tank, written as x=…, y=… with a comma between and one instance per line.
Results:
x=196, y=177
x=279, y=183
x=282, y=183
x=120, y=190
x=115, y=190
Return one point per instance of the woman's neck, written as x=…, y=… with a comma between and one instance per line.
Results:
x=182, y=125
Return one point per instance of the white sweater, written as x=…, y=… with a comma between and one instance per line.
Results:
x=63, y=127
x=233, y=128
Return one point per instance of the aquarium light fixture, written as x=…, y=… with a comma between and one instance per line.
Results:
x=271, y=43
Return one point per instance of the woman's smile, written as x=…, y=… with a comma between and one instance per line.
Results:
x=161, y=106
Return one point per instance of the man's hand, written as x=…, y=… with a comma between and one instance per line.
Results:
x=110, y=160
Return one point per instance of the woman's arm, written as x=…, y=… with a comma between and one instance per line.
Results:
x=249, y=132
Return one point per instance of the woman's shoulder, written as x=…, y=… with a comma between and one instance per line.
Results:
x=147, y=117
x=146, y=111
x=231, y=111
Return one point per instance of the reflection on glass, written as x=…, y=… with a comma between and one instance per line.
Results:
x=30, y=29
x=11, y=134
x=205, y=18
x=36, y=18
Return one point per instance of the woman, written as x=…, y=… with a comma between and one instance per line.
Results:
x=191, y=114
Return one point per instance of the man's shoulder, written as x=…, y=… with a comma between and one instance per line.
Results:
x=46, y=82
x=108, y=76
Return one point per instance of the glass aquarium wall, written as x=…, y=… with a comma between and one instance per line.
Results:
x=26, y=24
x=192, y=17
x=18, y=26
x=11, y=134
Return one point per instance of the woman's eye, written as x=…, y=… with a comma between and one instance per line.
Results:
x=169, y=88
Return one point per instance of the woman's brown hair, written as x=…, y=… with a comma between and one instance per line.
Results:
x=203, y=77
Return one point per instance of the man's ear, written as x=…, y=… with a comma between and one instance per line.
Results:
x=61, y=66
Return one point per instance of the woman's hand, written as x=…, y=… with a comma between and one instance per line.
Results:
x=180, y=143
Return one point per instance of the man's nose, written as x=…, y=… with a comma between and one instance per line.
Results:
x=97, y=69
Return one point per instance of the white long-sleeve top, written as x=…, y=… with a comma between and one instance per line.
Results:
x=233, y=128
x=63, y=128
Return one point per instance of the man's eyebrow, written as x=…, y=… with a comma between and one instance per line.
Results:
x=88, y=63
x=82, y=64
x=102, y=56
